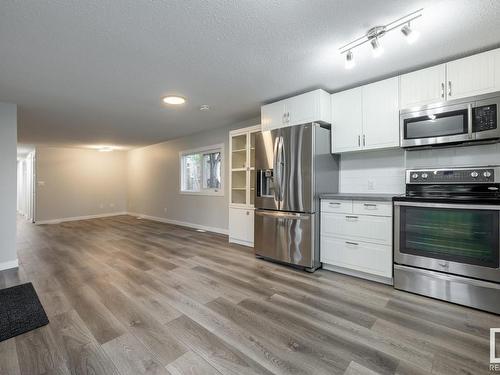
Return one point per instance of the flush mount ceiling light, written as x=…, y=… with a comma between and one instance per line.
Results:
x=173, y=100
x=376, y=33
x=204, y=107
x=105, y=149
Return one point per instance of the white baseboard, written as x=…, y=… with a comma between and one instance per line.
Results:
x=240, y=242
x=8, y=265
x=181, y=223
x=360, y=274
x=76, y=218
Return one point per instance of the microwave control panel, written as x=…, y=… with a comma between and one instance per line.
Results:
x=484, y=118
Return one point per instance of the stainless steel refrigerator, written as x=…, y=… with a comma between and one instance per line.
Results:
x=293, y=166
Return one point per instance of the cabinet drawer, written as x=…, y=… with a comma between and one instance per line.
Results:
x=372, y=208
x=332, y=205
x=357, y=227
x=359, y=256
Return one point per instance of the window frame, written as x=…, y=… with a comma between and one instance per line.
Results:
x=205, y=192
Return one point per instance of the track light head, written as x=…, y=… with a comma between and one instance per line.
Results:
x=349, y=60
x=376, y=47
x=411, y=35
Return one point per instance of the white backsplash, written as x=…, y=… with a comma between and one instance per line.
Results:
x=384, y=171
x=372, y=172
x=470, y=156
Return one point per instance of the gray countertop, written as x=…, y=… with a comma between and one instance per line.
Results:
x=359, y=196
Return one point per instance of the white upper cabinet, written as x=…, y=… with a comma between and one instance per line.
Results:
x=313, y=106
x=381, y=114
x=347, y=120
x=273, y=115
x=423, y=87
x=473, y=75
x=366, y=117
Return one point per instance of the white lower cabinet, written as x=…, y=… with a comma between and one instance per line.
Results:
x=241, y=226
x=359, y=256
x=357, y=237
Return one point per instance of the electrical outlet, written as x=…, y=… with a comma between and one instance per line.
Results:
x=371, y=185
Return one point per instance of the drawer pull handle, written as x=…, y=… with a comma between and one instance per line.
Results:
x=351, y=217
x=334, y=204
x=370, y=205
x=352, y=243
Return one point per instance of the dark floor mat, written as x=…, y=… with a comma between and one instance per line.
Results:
x=20, y=311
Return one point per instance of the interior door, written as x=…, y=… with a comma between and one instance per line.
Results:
x=267, y=175
x=295, y=156
x=286, y=237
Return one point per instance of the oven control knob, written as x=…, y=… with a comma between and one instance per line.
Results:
x=414, y=175
x=487, y=174
x=474, y=174
x=424, y=175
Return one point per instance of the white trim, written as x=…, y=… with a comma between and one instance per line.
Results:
x=181, y=223
x=360, y=274
x=77, y=218
x=210, y=192
x=240, y=242
x=8, y=265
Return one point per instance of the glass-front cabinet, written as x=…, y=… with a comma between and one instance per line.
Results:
x=242, y=184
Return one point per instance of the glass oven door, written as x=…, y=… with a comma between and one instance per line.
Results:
x=460, y=239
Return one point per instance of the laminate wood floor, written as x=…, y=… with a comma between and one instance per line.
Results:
x=129, y=296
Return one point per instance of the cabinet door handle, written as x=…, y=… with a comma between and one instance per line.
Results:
x=352, y=243
x=449, y=88
x=283, y=119
x=442, y=89
x=248, y=213
x=364, y=140
x=359, y=141
x=288, y=117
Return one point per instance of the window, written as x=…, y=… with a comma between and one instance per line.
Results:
x=201, y=171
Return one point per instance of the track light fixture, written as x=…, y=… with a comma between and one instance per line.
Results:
x=376, y=33
x=349, y=60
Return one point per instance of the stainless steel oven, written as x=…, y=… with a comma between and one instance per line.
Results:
x=462, y=120
x=447, y=236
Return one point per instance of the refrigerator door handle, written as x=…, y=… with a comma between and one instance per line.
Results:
x=283, y=215
x=282, y=164
x=276, y=178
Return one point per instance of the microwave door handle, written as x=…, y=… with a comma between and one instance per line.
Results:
x=469, y=120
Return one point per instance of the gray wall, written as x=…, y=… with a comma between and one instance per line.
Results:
x=153, y=181
x=79, y=182
x=8, y=189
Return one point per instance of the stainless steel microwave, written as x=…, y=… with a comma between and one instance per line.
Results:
x=458, y=121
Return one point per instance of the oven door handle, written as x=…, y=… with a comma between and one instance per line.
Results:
x=458, y=206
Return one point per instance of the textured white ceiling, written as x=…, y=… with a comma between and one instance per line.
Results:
x=93, y=71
